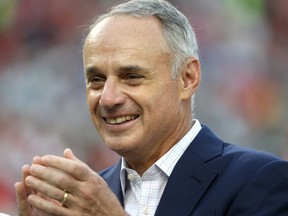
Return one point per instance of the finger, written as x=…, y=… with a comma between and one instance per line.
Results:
x=75, y=168
x=47, y=206
x=45, y=188
x=21, y=198
x=37, y=160
x=70, y=155
x=51, y=176
x=25, y=173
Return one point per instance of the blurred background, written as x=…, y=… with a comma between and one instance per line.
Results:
x=243, y=96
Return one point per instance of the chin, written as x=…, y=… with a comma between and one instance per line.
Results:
x=121, y=149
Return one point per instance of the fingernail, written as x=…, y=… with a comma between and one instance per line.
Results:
x=34, y=168
x=45, y=160
x=28, y=180
x=36, y=159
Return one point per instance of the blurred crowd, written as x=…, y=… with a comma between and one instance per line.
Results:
x=243, y=96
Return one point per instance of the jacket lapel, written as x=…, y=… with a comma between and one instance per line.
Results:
x=112, y=177
x=191, y=176
x=189, y=180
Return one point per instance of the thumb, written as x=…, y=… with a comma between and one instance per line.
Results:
x=69, y=155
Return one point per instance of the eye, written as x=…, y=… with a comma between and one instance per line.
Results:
x=134, y=79
x=133, y=76
x=96, y=82
x=96, y=79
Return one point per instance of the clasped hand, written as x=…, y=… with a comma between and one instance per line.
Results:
x=65, y=186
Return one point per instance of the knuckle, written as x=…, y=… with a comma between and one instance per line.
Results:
x=81, y=170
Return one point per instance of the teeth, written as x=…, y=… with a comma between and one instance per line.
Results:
x=120, y=120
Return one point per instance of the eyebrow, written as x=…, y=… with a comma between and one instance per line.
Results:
x=130, y=68
x=90, y=70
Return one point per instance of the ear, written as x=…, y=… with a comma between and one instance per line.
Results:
x=190, y=78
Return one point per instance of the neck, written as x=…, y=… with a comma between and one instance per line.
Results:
x=141, y=164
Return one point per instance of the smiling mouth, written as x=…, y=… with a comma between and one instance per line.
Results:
x=120, y=120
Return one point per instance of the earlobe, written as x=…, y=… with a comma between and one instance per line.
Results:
x=190, y=78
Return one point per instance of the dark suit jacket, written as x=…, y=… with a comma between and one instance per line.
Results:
x=216, y=178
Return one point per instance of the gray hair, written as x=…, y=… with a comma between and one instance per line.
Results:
x=177, y=30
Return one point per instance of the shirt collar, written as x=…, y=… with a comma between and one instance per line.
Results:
x=168, y=161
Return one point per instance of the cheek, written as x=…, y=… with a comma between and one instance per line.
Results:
x=163, y=104
x=169, y=94
x=169, y=102
x=92, y=100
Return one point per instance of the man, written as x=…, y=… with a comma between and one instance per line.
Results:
x=142, y=71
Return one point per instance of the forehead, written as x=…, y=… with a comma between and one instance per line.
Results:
x=126, y=32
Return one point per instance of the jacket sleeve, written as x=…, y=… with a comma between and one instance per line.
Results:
x=265, y=194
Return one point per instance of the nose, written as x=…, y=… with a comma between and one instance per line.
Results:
x=111, y=95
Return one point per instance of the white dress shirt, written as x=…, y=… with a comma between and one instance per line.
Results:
x=142, y=193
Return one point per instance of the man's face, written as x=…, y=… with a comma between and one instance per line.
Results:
x=134, y=103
